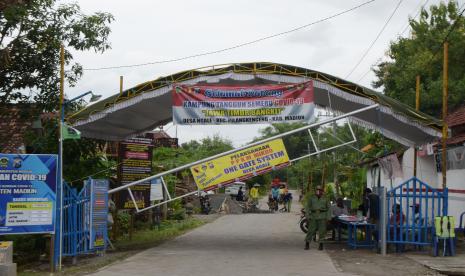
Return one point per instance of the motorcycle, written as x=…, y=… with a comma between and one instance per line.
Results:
x=249, y=206
x=272, y=204
x=205, y=204
x=303, y=223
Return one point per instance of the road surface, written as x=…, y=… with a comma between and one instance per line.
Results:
x=248, y=244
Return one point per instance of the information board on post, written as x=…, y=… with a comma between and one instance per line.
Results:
x=135, y=159
x=28, y=185
x=240, y=165
x=255, y=104
x=99, y=213
x=156, y=189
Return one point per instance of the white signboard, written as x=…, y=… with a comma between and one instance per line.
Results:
x=156, y=189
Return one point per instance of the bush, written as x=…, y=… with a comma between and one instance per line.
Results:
x=27, y=248
x=124, y=221
x=179, y=214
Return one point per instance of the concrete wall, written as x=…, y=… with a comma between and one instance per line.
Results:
x=426, y=171
x=456, y=186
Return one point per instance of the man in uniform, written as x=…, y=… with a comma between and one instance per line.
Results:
x=317, y=211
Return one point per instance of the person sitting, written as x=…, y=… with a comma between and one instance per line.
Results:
x=418, y=223
x=240, y=195
x=417, y=220
x=336, y=210
x=339, y=208
x=397, y=217
x=396, y=221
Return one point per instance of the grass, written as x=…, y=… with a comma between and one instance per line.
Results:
x=148, y=238
x=141, y=239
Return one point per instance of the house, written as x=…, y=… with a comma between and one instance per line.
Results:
x=429, y=165
x=16, y=121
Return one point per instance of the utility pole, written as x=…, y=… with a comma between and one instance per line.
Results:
x=444, y=113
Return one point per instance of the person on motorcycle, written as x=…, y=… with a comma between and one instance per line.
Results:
x=240, y=195
x=318, y=214
x=254, y=194
x=275, y=196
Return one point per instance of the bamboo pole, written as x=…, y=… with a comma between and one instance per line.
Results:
x=417, y=108
x=60, y=151
x=120, y=85
x=444, y=113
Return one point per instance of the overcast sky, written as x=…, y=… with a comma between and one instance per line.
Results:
x=151, y=30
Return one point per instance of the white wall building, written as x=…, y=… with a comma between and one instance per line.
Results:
x=427, y=167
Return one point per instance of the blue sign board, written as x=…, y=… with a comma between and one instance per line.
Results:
x=28, y=185
x=98, y=213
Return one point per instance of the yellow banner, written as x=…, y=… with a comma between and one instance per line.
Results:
x=240, y=165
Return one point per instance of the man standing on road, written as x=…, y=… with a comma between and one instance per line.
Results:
x=254, y=194
x=318, y=214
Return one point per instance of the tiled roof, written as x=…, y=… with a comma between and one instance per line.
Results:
x=459, y=138
x=456, y=118
x=13, y=126
x=157, y=134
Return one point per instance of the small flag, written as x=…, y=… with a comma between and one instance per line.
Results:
x=70, y=132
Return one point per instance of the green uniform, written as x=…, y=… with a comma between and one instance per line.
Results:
x=318, y=214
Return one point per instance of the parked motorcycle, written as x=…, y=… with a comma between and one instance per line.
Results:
x=303, y=223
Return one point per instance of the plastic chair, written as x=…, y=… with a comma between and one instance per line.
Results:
x=445, y=234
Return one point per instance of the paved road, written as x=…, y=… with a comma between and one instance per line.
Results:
x=248, y=244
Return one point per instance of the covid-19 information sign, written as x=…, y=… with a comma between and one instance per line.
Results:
x=27, y=193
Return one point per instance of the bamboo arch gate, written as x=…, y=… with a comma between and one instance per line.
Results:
x=409, y=228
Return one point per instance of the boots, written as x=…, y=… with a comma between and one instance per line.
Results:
x=307, y=245
x=320, y=246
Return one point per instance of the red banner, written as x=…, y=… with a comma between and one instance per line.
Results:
x=220, y=104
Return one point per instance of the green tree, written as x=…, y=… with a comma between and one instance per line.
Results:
x=30, y=37
x=421, y=54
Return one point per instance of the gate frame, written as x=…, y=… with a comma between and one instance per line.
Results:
x=308, y=127
x=186, y=166
x=432, y=202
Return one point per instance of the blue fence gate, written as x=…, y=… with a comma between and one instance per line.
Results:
x=76, y=220
x=411, y=208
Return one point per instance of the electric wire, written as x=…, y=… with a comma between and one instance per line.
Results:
x=418, y=9
x=416, y=14
x=237, y=45
x=446, y=37
x=376, y=39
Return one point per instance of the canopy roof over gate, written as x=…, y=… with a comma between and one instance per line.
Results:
x=149, y=105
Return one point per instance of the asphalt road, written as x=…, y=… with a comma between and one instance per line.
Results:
x=248, y=244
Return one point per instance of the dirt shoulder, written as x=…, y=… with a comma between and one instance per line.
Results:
x=368, y=262
x=125, y=248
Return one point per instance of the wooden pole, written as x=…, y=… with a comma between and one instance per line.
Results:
x=120, y=85
x=417, y=108
x=444, y=113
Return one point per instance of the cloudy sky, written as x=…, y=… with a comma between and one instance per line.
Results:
x=153, y=30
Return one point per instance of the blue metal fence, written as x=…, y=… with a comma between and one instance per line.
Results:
x=411, y=209
x=76, y=220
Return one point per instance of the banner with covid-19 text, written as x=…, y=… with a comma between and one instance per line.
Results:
x=28, y=185
x=240, y=165
x=253, y=104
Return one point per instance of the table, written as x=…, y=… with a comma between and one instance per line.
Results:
x=353, y=225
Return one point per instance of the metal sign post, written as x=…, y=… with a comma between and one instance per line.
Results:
x=383, y=219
